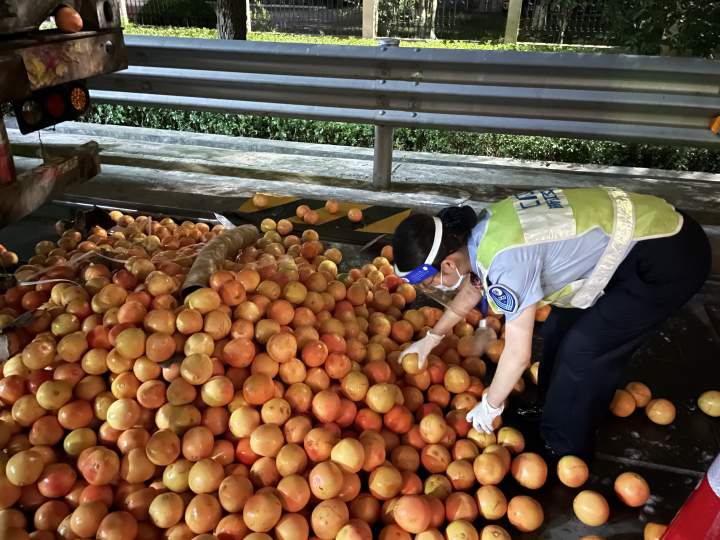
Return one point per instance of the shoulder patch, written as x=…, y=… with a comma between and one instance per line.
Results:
x=503, y=298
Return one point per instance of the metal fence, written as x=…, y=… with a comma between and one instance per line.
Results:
x=457, y=19
x=564, y=21
x=334, y=17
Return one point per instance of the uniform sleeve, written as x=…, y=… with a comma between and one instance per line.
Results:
x=515, y=277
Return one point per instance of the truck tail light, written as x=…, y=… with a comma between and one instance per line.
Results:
x=51, y=106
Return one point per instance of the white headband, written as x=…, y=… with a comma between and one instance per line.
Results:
x=433, y=250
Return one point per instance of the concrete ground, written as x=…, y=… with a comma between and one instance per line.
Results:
x=678, y=362
x=198, y=174
x=146, y=165
x=222, y=166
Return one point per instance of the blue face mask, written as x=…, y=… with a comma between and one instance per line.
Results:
x=450, y=288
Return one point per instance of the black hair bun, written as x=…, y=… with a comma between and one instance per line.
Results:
x=458, y=218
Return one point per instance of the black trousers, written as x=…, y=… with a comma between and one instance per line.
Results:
x=584, y=351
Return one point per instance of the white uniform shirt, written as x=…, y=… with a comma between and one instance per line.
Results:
x=533, y=272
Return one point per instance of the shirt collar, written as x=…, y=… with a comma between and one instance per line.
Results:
x=476, y=236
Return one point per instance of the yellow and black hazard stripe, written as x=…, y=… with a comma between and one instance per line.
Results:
x=377, y=220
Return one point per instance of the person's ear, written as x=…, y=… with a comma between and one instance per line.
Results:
x=448, y=266
x=454, y=262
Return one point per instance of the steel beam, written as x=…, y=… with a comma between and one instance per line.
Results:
x=49, y=60
x=650, y=134
x=650, y=100
x=517, y=102
x=383, y=151
x=383, y=158
x=511, y=68
x=28, y=15
x=34, y=188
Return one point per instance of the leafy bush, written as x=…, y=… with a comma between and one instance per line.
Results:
x=564, y=21
x=280, y=37
x=419, y=140
x=170, y=31
x=689, y=28
x=200, y=13
x=397, y=17
x=260, y=17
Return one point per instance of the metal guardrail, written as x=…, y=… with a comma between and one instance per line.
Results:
x=655, y=100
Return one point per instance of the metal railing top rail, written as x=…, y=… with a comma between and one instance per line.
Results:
x=649, y=134
x=511, y=68
x=579, y=105
x=653, y=100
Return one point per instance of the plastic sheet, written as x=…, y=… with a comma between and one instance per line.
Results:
x=211, y=257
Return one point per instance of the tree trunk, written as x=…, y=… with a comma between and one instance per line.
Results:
x=426, y=13
x=233, y=18
x=539, y=16
x=124, y=12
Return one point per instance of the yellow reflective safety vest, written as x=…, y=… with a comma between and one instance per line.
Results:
x=562, y=214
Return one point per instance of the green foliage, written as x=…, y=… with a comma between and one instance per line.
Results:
x=419, y=140
x=560, y=21
x=170, y=31
x=206, y=33
x=396, y=17
x=404, y=18
x=476, y=26
x=260, y=17
x=689, y=27
x=199, y=13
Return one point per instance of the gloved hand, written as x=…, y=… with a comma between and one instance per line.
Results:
x=422, y=348
x=482, y=415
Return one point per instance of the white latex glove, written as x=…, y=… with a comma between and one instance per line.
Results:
x=482, y=415
x=422, y=348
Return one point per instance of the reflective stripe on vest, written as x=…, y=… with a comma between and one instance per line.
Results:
x=614, y=254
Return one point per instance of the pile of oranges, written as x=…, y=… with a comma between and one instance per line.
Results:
x=270, y=404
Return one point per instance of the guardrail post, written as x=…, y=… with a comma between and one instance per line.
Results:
x=512, y=25
x=382, y=167
x=370, y=19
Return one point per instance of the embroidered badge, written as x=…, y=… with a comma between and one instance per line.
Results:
x=503, y=298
